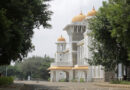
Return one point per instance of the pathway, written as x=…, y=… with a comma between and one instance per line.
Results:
x=33, y=85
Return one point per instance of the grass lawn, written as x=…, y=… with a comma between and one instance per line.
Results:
x=120, y=82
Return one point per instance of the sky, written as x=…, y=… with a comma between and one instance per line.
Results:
x=63, y=11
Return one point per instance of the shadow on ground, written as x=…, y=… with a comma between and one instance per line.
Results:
x=39, y=87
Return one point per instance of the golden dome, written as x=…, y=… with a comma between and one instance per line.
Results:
x=78, y=18
x=92, y=13
x=61, y=38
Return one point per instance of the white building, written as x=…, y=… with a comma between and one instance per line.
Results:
x=71, y=64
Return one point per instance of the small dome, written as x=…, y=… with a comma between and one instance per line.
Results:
x=61, y=38
x=92, y=13
x=78, y=18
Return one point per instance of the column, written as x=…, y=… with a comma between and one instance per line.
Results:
x=71, y=49
x=125, y=70
x=101, y=72
x=120, y=71
x=96, y=71
x=77, y=55
x=85, y=72
x=83, y=50
x=82, y=54
x=70, y=75
x=51, y=76
x=92, y=72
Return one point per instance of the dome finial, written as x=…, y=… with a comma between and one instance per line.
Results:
x=93, y=8
x=81, y=12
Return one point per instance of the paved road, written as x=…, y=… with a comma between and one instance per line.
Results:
x=33, y=85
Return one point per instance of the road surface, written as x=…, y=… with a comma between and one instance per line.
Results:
x=41, y=85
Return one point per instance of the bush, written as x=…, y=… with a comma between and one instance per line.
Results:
x=81, y=80
x=6, y=80
x=115, y=82
x=62, y=80
x=49, y=79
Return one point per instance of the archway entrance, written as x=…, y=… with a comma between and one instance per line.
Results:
x=67, y=76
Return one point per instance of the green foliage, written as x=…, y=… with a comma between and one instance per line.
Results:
x=119, y=16
x=35, y=66
x=105, y=49
x=117, y=12
x=120, y=82
x=82, y=80
x=6, y=80
x=18, y=18
x=62, y=80
x=49, y=79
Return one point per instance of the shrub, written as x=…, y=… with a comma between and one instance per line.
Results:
x=48, y=79
x=62, y=80
x=115, y=82
x=81, y=80
x=6, y=80
x=74, y=80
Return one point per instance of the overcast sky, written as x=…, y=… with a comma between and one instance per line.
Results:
x=63, y=12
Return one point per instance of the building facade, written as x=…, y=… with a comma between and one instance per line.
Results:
x=71, y=64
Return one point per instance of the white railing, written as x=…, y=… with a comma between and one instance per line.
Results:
x=62, y=64
x=82, y=64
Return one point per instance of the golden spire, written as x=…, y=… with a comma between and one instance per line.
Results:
x=93, y=8
x=61, y=38
x=81, y=12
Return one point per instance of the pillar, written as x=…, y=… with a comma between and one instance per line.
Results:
x=53, y=76
x=70, y=75
x=85, y=74
x=96, y=71
x=120, y=71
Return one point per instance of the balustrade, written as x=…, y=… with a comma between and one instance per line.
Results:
x=62, y=64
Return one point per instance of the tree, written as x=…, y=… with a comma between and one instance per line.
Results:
x=6, y=70
x=119, y=17
x=18, y=18
x=106, y=50
x=36, y=67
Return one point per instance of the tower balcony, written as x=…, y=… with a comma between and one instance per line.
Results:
x=61, y=64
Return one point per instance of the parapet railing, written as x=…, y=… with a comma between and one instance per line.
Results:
x=61, y=64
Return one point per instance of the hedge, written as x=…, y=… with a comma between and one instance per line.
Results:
x=6, y=80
